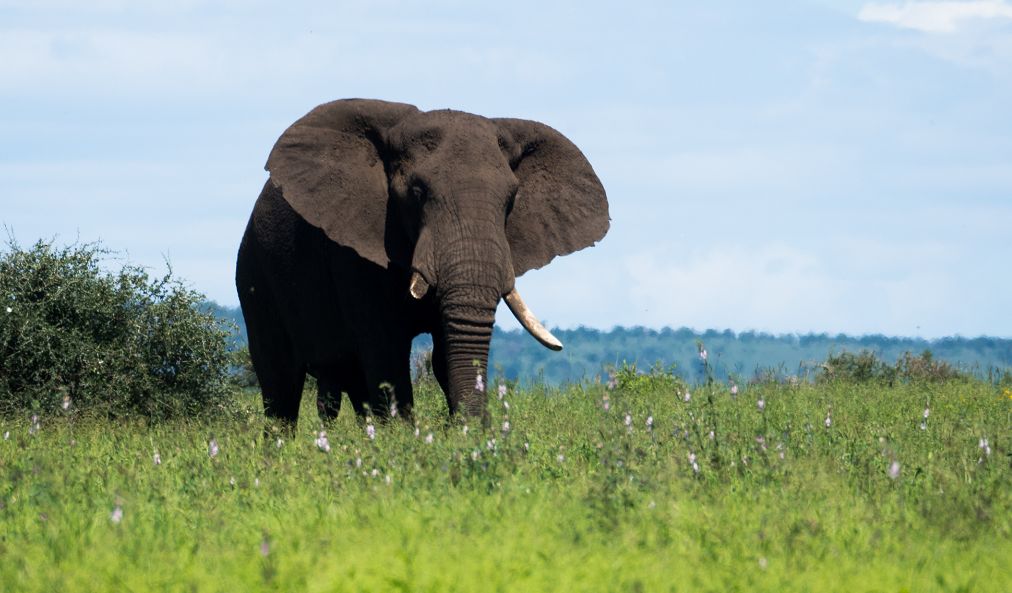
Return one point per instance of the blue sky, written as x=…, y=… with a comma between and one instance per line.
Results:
x=839, y=166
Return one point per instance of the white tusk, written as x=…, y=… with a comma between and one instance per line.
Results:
x=418, y=286
x=530, y=322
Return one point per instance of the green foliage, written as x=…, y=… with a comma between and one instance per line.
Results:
x=630, y=379
x=862, y=367
x=241, y=373
x=925, y=368
x=866, y=367
x=120, y=343
x=570, y=497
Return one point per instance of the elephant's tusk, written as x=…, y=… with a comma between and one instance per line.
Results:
x=530, y=321
x=418, y=286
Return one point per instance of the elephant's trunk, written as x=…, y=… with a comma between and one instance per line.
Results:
x=468, y=314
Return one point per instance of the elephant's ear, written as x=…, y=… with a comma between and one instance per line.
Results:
x=330, y=169
x=561, y=206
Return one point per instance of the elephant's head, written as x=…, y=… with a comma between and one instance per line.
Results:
x=465, y=203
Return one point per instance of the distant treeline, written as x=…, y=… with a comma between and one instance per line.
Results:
x=590, y=353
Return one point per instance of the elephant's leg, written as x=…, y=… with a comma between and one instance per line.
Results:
x=387, y=374
x=281, y=382
x=281, y=376
x=345, y=376
x=355, y=386
x=328, y=396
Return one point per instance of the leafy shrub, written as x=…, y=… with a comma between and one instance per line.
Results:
x=863, y=367
x=631, y=380
x=120, y=343
x=925, y=368
x=866, y=367
x=241, y=373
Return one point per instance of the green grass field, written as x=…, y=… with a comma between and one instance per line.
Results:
x=570, y=498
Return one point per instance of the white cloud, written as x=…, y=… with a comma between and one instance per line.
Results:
x=935, y=17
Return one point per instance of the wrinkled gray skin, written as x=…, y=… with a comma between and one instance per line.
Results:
x=361, y=195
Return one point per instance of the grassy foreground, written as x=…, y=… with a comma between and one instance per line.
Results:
x=825, y=488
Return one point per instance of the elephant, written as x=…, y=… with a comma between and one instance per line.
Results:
x=379, y=222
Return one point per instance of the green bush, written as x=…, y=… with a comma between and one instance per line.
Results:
x=630, y=379
x=925, y=368
x=866, y=367
x=122, y=343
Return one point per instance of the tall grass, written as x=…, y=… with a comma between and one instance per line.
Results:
x=828, y=487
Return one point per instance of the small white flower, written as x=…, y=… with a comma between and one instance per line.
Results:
x=628, y=419
x=924, y=425
x=116, y=515
x=279, y=442
x=370, y=431
x=479, y=383
x=429, y=438
x=157, y=458
x=212, y=448
x=358, y=462
x=692, y=461
x=828, y=421
x=502, y=390
x=761, y=404
x=505, y=405
x=231, y=482
x=66, y=403
x=465, y=429
x=375, y=472
x=561, y=458
x=687, y=397
x=763, y=563
x=894, y=470
x=417, y=432
x=475, y=455
x=505, y=427
x=612, y=383
x=734, y=389
x=322, y=443
x=527, y=447
x=393, y=409
x=650, y=422
x=702, y=355
x=984, y=446
x=256, y=482
x=9, y=310
x=712, y=435
x=388, y=479
x=606, y=402
x=34, y=428
x=490, y=445
x=7, y=435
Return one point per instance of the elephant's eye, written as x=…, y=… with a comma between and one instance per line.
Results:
x=417, y=191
